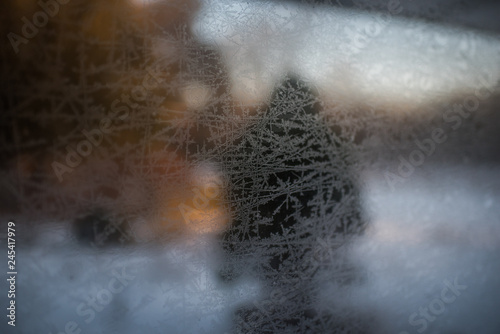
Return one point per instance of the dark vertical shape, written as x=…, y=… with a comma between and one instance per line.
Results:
x=290, y=184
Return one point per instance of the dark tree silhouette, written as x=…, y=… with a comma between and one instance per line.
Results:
x=292, y=192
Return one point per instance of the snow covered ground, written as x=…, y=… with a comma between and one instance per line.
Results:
x=432, y=232
x=441, y=226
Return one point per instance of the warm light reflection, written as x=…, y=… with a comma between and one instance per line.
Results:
x=194, y=206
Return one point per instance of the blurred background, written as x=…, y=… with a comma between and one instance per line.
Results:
x=110, y=111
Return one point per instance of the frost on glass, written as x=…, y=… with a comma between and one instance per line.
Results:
x=292, y=189
x=251, y=167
